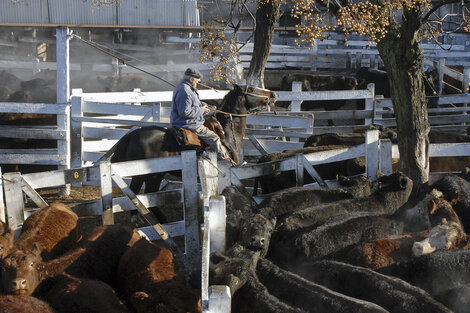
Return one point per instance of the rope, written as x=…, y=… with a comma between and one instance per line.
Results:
x=232, y=114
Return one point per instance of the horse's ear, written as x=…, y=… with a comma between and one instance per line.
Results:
x=236, y=87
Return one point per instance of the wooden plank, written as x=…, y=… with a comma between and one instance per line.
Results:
x=174, y=229
x=42, y=159
x=106, y=187
x=258, y=145
x=277, y=133
x=147, y=166
x=33, y=108
x=449, y=149
x=189, y=176
x=33, y=195
x=60, y=177
x=312, y=172
x=147, y=96
x=386, y=157
x=119, y=121
x=323, y=95
x=303, y=120
x=14, y=200
x=32, y=133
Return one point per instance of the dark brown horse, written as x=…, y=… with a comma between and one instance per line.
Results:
x=147, y=142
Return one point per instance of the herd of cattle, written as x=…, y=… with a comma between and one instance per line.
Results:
x=363, y=247
x=53, y=267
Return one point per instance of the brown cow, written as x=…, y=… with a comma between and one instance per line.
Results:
x=77, y=295
x=97, y=257
x=149, y=280
x=22, y=304
x=53, y=229
x=6, y=239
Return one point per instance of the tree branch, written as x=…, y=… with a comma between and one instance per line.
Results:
x=441, y=4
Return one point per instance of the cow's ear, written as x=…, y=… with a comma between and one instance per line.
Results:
x=9, y=234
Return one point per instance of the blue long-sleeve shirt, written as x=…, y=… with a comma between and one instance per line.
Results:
x=186, y=109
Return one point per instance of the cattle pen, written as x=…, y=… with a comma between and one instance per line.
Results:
x=93, y=123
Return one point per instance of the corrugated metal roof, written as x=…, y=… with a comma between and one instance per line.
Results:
x=126, y=12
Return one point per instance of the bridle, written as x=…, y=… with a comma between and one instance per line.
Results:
x=253, y=111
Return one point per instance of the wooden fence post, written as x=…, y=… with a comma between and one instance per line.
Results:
x=299, y=170
x=466, y=79
x=190, y=194
x=220, y=299
x=76, y=136
x=63, y=94
x=370, y=103
x=106, y=185
x=14, y=200
x=372, y=154
x=386, y=156
x=440, y=71
x=314, y=57
x=2, y=200
x=217, y=216
x=295, y=105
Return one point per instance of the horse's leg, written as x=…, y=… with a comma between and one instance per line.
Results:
x=152, y=184
x=136, y=184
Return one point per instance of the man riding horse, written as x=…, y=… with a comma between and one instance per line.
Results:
x=188, y=112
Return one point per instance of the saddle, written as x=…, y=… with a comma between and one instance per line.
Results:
x=177, y=139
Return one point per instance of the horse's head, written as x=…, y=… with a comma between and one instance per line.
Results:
x=247, y=99
x=258, y=99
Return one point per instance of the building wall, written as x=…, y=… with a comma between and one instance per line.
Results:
x=73, y=12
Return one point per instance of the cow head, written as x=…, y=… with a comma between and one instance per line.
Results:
x=20, y=273
x=255, y=233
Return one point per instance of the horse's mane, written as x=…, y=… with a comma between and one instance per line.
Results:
x=230, y=103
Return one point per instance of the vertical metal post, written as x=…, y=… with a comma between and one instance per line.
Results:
x=63, y=93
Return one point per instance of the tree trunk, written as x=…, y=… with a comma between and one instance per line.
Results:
x=267, y=15
x=403, y=59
